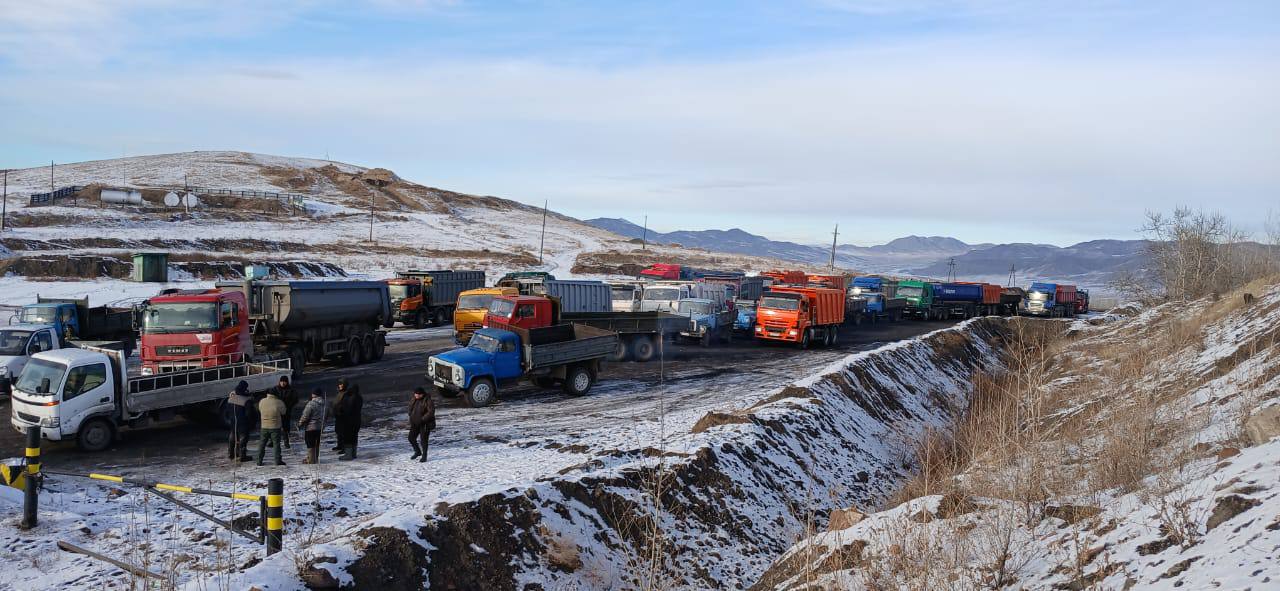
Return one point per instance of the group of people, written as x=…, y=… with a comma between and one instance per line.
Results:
x=275, y=421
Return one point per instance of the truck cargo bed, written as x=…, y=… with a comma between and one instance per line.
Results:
x=587, y=343
x=170, y=390
x=629, y=322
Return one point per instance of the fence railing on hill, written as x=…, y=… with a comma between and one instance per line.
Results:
x=53, y=196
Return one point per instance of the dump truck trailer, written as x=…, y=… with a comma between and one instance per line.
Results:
x=429, y=298
x=639, y=333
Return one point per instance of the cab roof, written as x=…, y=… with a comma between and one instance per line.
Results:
x=68, y=356
x=25, y=326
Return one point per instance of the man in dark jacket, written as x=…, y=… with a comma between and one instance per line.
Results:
x=346, y=418
x=238, y=439
x=289, y=397
x=422, y=419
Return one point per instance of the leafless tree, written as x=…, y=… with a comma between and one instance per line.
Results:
x=1193, y=253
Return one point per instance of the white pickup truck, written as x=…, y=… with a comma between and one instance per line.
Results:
x=86, y=393
x=18, y=342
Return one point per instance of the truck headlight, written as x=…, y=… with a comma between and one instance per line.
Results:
x=457, y=375
x=146, y=371
x=759, y=328
x=50, y=422
x=792, y=332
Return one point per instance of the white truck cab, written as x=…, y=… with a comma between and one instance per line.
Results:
x=18, y=342
x=86, y=394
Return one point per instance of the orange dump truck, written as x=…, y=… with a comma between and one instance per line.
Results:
x=800, y=315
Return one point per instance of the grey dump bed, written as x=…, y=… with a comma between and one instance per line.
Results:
x=630, y=322
x=563, y=344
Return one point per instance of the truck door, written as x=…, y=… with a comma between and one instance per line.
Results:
x=70, y=325
x=40, y=342
x=506, y=361
x=86, y=392
x=527, y=316
x=228, y=321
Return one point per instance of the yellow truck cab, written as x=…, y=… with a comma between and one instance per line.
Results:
x=468, y=315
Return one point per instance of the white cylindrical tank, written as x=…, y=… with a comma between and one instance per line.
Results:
x=120, y=196
x=171, y=199
x=190, y=200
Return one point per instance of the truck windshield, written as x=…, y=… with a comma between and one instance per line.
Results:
x=746, y=305
x=694, y=307
x=14, y=342
x=193, y=317
x=502, y=308
x=34, y=374
x=623, y=294
x=662, y=294
x=475, y=302
x=484, y=343
x=778, y=303
x=399, y=292
x=910, y=292
x=38, y=315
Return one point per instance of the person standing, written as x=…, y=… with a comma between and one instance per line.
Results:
x=311, y=423
x=289, y=397
x=238, y=438
x=346, y=415
x=272, y=410
x=422, y=420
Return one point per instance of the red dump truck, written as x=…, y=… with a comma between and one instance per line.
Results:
x=800, y=315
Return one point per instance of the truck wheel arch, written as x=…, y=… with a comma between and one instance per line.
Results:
x=95, y=434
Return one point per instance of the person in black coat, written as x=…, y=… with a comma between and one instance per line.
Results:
x=346, y=417
x=241, y=423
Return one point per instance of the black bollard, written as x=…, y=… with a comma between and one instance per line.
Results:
x=31, y=486
x=275, y=515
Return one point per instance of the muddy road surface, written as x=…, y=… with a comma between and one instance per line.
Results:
x=620, y=410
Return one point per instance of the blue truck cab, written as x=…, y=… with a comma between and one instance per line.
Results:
x=1040, y=300
x=61, y=317
x=708, y=319
x=869, y=289
x=73, y=319
x=569, y=354
x=746, y=321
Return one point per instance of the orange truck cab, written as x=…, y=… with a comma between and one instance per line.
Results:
x=473, y=305
x=800, y=315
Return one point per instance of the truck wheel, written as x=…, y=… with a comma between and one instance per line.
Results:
x=544, y=382
x=95, y=435
x=620, y=353
x=727, y=337
x=643, y=349
x=379, y=347
x=826, y=337
x=442, y=317
x=804, y=339
x=366, y=352
x=578, y=381
x=353, y=352
x=420, y=319
x=835, y=336
x=481, y=393
x=705, y=341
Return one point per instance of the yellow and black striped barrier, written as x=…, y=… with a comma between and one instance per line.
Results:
x=29, y=476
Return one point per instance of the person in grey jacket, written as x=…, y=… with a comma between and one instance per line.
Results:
x=311, y=423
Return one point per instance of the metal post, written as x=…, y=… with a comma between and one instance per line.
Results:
x=543, y=240
x=373, y=195
x=275, y=515
x=31, y=488
x=644, y=234
x=834, y=235
x=4, y=204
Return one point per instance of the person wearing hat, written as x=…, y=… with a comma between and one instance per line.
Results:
x=289, y=397
x=271, y=410
x=346, y=418
x=238, y=438
x=422, y=419
x=311, y=423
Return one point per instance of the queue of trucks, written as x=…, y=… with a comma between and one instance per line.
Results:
x=64, y=363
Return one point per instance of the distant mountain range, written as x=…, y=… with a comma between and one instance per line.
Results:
x=1090, y=264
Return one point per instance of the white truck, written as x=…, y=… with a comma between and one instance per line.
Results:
x=86, y=393
x=18, y=342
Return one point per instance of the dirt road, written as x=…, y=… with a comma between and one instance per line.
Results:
x=689, y=378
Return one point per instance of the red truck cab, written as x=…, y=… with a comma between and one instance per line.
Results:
x=194, y=328
x=522, y=311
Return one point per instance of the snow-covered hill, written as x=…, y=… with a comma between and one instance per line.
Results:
x=412, y=225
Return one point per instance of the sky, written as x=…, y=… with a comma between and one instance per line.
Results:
x=1000, y=121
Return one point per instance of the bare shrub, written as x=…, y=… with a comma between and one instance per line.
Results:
x=1194, y=253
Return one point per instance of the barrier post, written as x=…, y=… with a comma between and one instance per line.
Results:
x=275, y=515
x=31, y=486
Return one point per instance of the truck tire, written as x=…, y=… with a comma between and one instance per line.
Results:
x=620, y=353
x=544, y=382
x=705, y=340
x=95, y=435
x=420, y=319
x=643, y=349
x=727, y=337
x=481, y=393
x=441, y=317
x=835, y=336
x=352, y=356
x=578, y=380
x=366, y=352
x=379, y=347
x=804, y=339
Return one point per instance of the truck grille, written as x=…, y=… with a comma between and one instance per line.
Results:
x=444, y=372
x=178, y=350
x=22, y=416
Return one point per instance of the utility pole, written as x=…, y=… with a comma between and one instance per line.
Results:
x=951, y=270
x=834, y=235
x=644, y=234
x=1012, y=275
x=4, y=203
x=373, y=196
x=51, y=176
x=542, y=242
